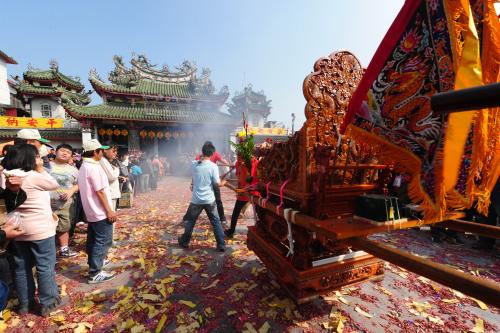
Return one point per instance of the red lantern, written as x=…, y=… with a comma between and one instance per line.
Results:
x=143, y=134
x=151, y=134
x=159, y=135
x=168, y=135
x=109, y=131
x=124, y=132
x=101, y=131
x=117, y=132
x=176, y=135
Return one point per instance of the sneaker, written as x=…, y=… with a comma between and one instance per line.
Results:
x=102, y=276
x=67, y=253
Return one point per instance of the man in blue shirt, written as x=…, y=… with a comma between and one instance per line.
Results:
x=205, y=177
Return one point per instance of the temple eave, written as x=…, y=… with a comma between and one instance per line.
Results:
x=141, y=114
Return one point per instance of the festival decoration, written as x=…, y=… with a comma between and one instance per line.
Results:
x=101, y=131
x=124, y=132
x=168, y=134
x=151, y=134
x=117, y=132
x=447, y=157
x=143, y=134
x=176, y=135
x=244, y=148
x=109, y=132
x=159, y=135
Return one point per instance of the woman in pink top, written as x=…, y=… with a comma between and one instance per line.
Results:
x=36, y=247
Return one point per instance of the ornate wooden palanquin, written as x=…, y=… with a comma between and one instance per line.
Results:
x=320, y=173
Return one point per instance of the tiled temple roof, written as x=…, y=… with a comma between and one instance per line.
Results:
x=25, y=88
x=164, y=113
x=51, y=75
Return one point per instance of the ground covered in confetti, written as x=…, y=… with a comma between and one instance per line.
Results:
x=163, y=288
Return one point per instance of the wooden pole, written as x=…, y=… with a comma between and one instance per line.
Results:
x=474, y=98
x=482, y=289
x=473, y=227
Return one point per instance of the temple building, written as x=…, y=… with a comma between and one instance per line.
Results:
x=256, y=108
x=157, y=110
x=255, y=105
x=37, y=102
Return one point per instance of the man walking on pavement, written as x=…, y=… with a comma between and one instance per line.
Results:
x=205, y=178
x=215, y=158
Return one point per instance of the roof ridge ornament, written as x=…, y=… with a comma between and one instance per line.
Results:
x=54, y=64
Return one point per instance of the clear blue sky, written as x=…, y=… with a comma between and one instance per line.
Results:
x=270, y=44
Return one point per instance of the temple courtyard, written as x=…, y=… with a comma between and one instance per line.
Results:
x=163, y=288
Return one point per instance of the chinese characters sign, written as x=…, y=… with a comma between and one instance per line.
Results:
x=262, y=130
x=22, y=122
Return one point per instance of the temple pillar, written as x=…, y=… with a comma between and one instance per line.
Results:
x=155, y=146
x=133, y=139
x=86, y=134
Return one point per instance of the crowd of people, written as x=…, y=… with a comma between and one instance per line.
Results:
x=48, y=193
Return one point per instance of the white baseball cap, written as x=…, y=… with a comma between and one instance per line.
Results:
x=93, y=145
x=31, y=134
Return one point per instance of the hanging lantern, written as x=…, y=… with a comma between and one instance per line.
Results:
x=117, y=132
x=109, y=131
x=101, y=131
x=176, y=135
x=124, y=132
x=159, y=135
x=168, y=135
x=151, y=134
x=143, y=133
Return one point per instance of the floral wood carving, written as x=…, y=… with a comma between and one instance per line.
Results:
x=328, y=91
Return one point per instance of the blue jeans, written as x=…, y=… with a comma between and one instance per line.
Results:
x=42, y=255
x=99, y=239
x=193, y=211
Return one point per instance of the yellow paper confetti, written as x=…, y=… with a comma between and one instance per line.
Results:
x=162, y=321
x=188, y=303
x=264, y=328
x=451, y=301
x=360, y=311
x=213, y=284
x=481, y=304
x=151, y=297
x=479, y=328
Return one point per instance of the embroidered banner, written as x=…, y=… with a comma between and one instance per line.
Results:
x=432, y=46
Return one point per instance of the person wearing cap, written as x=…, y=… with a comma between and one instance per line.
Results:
x=32, y=136
x=96, y=200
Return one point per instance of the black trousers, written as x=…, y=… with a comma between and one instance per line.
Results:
x=238, y=206
x=218, y=201
x=491, y=219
